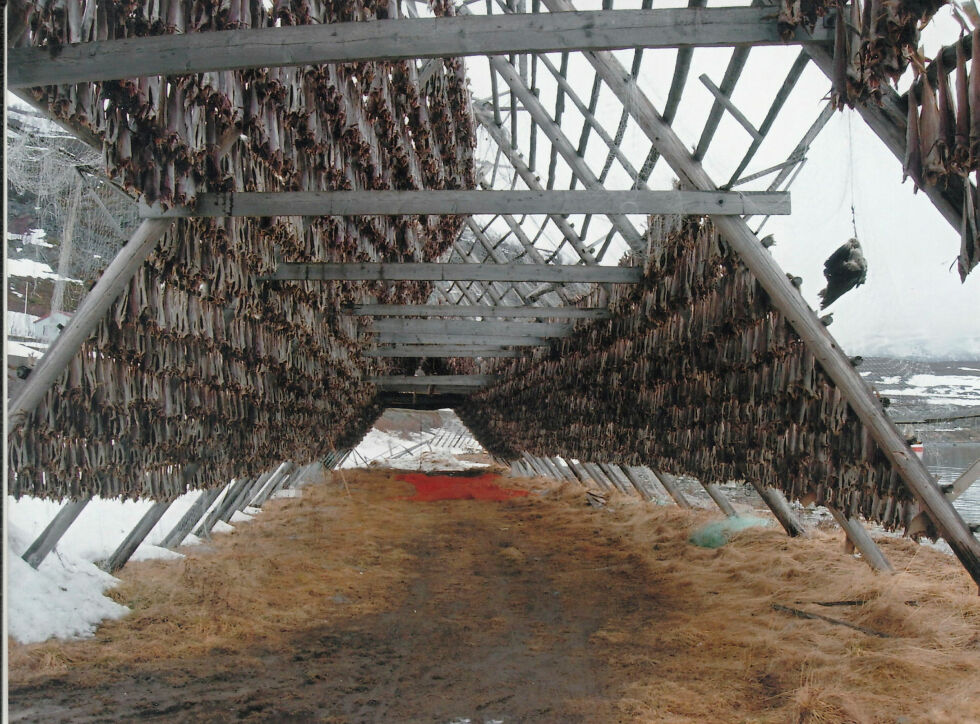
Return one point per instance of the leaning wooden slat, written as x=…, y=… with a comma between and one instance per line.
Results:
x=38, y=550
x=637, y=483
x=492, y=253
x=499, y=136
x=669, y=483
x=125, y=550
x=792, y=78
x=271, y=484
x=788, y=301
x=596, y=200
x=777, y=503
x=858, y=535
x=732, y=74
x=720, y=500
x=183, y=528
x=229, y=492
x=429, y=271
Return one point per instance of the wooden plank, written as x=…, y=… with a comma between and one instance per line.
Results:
x=180, y=531
x=858, y=535
x=273, y=484
x=38, y=550
x=504, y=340
x=454, y=350
x=725, y=101
x=432, y=383
x=732, y=72
x=787, y=299
x=635, y=480
x=125, y=550
x=669, y=483
x=466, y=327
x=406, y=203
x=230, y=492
x=964, y=481
x=475, y=310
x=392, y=40
x=420, y=401
x=779, y=506
x=432, y=272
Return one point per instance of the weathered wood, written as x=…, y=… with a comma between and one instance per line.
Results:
x=492, y=126
x=564, y=469
x=669, y=483
x=475, y=310
x=788, y=301
x=137, y=535
x=428, y=271
x=618, y=474
x=455, y=350
x=637, y=483
x=726, y=102
x=257, y=487
x=239, y=501
x=777, y=503
x=600, y=477
x=176, y=536
x=230, y=492
x=271, y=484
x=92, y=309
x=858, y=535
x=556, y=471
x=432, y=383
x=720, y=500
x=404, y=203
x=444, y=339
x=583, y=475
x=391, y=40
x=38, y=550
x=535, y=464
x=732, y=73
x=967, y=478
x=461, y=327
x=420, y=401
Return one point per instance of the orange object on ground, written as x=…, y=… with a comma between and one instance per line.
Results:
x=458, y=487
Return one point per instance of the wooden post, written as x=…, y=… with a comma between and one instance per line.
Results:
x=584, y=476
x=669, y=483
x=136, y=536
x=550, y=465
x=180, y=531
x=563, y=468
x=539, y=470
x=273, y=483
x=780, y=508
x=596, y=472
x=38, y=550
x=720, y=500
x=230, y=492
x=255, y=490
x=794, y=308
x=616, y=478
x=234, y=502
x=636, y=483
x=858, y=535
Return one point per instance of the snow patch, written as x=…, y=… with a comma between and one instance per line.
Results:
x=35, y=269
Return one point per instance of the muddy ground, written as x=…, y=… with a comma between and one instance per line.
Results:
x=354, y=604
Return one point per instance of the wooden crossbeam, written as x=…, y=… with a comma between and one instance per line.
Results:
x=445, y=350
x=513, y=340
x=181, y=54
x=432, y=272
x=431, y=383
x=474, y=310
x=467, y=327
x=401, y=203
x=421, y=401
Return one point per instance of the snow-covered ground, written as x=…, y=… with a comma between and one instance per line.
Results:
x=65, y=596
x=36, y=269
x=432, y=449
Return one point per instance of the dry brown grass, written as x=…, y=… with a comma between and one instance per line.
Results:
x=668, y=631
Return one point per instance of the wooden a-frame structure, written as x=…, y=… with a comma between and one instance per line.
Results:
x=398, y=82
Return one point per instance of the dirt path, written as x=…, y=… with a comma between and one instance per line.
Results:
x=369, y=608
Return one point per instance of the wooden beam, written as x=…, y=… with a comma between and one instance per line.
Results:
x=432, y=272
x=724, y=100
x=432, y=383
x=466, y=327
x=125, y=550
x=859, y=537
x=499, y=136
x=475, y=310
x=453, y=350
x=669, y=483
x=720, y=500
x=273, y=483
x=230, y=492
x=180, y=531
x=350, y=42
x=406, y=203
x=38, y=550
x=423, y=338
x=779, y=506
x=787, y=300
x=419, y=401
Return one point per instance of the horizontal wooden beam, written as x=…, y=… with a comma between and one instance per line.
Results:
x=467, y=327
x=453, y=350
x=502, y=340
x=432, y=272
x=402, y=203
x=180, y=54
x=475, y=310
x=432, y=383
x=421, y=401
